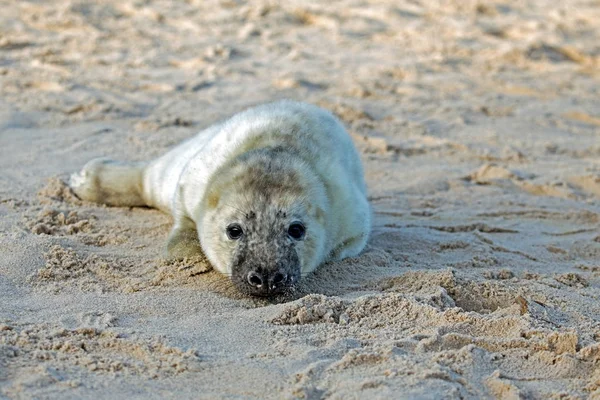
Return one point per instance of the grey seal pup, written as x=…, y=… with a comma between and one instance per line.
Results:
x=267, y=195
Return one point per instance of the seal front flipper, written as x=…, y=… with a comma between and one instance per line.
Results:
x=110, y=182
x=183, y=240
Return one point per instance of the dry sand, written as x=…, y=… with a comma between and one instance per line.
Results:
x=479, y=126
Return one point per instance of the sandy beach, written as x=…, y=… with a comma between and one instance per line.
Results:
x=478, y=123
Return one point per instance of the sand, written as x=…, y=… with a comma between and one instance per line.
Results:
x=478, y=123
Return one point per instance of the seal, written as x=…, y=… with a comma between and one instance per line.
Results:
x=267, y=195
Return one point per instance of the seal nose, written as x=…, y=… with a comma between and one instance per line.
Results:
x=278, y=279
x=265, y=283
x=255, y=279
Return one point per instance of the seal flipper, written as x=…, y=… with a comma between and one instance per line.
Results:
x=110, y=182
x=183, y=240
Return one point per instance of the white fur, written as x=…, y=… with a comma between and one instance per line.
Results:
x=177, y=182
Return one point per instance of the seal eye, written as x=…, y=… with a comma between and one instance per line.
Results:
x=296, y=230
x=234, y=232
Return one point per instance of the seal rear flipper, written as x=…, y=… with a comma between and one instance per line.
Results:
x=110, y=182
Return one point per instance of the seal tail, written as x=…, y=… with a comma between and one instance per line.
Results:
x=110, y=182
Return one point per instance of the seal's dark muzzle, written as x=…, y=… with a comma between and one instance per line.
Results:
x=268, y=277
x=265, y=283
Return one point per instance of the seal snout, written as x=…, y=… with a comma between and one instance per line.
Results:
x=263, y=283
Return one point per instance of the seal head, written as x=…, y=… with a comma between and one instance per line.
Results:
x=262, y=221
x=265, y=260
